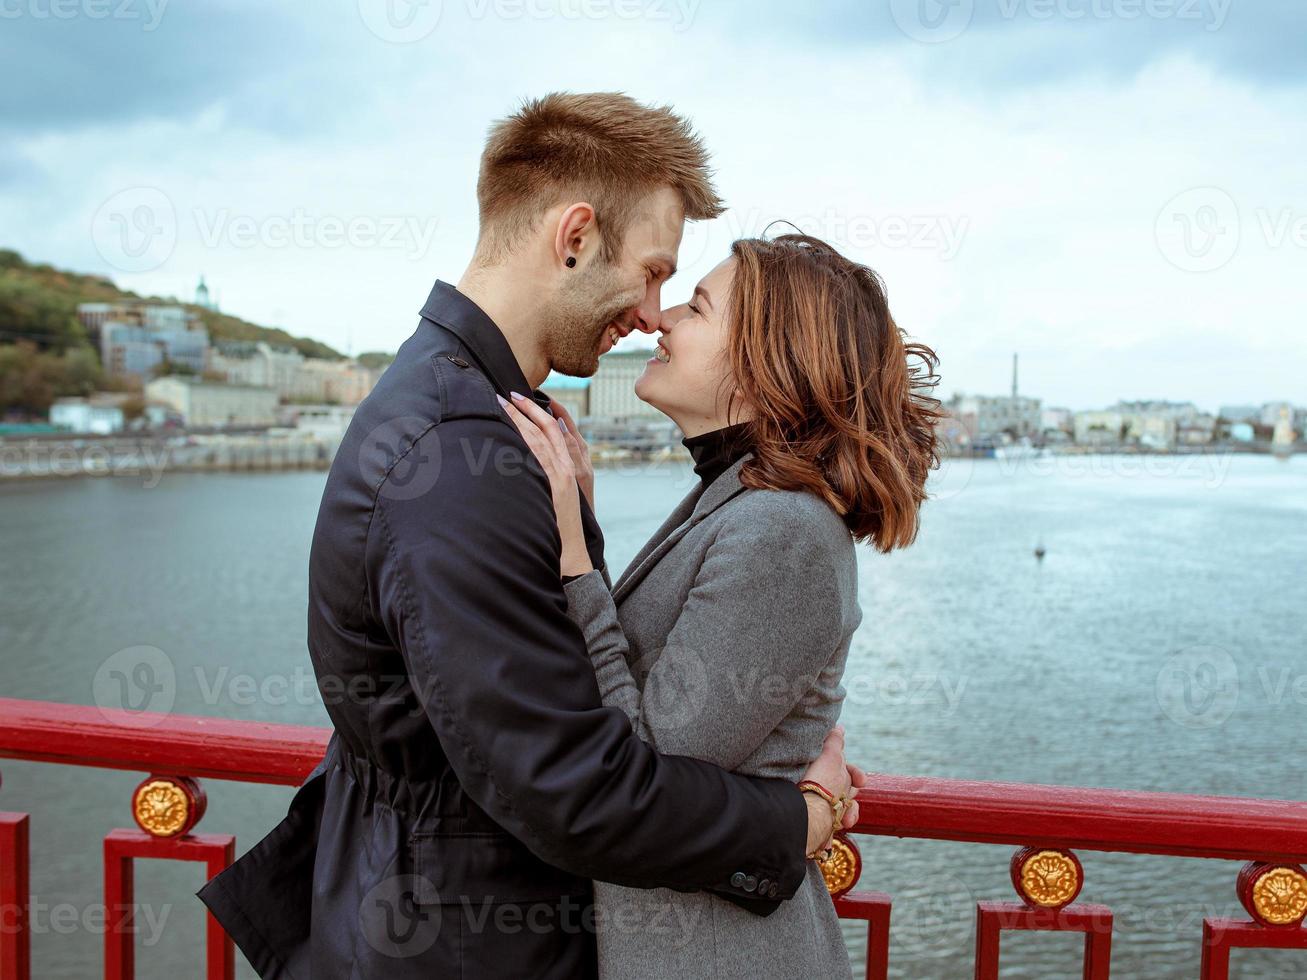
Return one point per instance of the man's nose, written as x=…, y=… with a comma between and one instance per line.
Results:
x=648, y=319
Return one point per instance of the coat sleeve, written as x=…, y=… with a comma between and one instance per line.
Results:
x=464, y=574
x=750, y=646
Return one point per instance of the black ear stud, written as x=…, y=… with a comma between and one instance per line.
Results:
x=571, y=262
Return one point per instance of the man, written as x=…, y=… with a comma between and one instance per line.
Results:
x=475, y=784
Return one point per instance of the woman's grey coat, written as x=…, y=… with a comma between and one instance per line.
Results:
x=726, y=640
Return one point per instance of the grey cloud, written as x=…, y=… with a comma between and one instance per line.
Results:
x=1005, y=42
x=119, y=61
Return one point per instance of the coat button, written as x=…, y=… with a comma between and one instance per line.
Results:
x=457, y=361
x=763, y=885
x=737, y=880
x=750, y=883
x=772, y=890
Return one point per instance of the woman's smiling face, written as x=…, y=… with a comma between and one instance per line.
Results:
x=689, y=378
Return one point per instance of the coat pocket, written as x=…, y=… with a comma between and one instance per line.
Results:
x=485, y=869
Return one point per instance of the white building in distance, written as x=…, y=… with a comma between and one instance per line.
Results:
x=290, y=374
x=572, y=393
x=612, y=389
x=100, y=414
x=202, y=404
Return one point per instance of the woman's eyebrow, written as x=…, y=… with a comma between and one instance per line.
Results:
x=700, y=291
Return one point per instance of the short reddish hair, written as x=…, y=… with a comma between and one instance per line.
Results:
x=599, y=146
x=840, y=410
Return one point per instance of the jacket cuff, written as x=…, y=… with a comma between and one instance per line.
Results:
x=590, y=604
x=754, y=889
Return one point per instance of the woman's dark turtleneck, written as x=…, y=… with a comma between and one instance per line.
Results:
x=717, y=451
x=714, y=453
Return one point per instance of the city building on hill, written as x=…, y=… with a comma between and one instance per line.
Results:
x=612, y=389
x=94, y=315
x=202, y=403
x=128, y=351
x=290, y=374
x=135, y=341
x=258, y=364
x=202, y=297
x=338, y=382
x=572, y=393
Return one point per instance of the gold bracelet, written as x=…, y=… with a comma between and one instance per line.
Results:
x=838, y=805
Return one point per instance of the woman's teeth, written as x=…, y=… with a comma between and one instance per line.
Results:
x=660, y=352
x=613, y=335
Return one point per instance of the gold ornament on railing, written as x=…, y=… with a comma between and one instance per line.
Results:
x=1274, y=894
x=1046, y=877
x=167, y=806
x=1281, y=895
x=842, y=868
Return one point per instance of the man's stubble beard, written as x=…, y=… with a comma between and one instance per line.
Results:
x=578, y=316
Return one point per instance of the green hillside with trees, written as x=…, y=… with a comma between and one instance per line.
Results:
x=45, y=352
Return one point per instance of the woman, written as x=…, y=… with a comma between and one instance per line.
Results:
x=726, y=637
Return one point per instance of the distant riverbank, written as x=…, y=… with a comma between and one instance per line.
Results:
x=150, y=455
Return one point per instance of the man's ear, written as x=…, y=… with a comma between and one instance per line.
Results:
x=578, y=234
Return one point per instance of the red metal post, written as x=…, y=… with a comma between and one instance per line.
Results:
x=119, y=898
x=874, y=909
x=121, y=847
x=1222, y=935
x=1095, y=921
x=15, y=929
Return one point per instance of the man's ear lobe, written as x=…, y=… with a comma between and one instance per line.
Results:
x=578, y=231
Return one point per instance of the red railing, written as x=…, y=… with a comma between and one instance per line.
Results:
x=1046, y=823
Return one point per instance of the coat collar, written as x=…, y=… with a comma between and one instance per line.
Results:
x=448, y=308
x=697, y=505
x=458, y=314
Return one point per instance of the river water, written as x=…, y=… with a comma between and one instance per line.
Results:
x=1160, y=645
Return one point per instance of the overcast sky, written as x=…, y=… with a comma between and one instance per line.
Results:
x=1114, y=188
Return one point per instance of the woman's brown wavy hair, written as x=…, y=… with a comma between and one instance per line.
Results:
x=841, y=399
